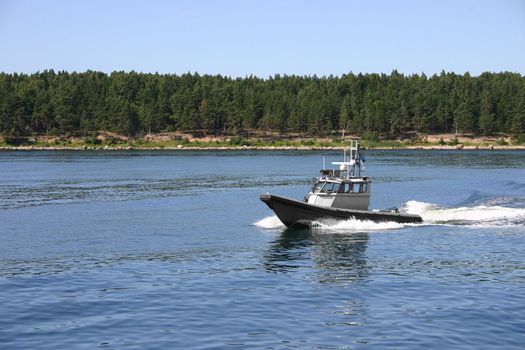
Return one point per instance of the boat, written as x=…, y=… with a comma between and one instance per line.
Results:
x=337, y=194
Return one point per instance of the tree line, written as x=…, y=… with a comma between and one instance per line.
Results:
x=138, y=103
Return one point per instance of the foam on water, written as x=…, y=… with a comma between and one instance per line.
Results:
x=273, y=222
x=477, y=216
x=355, y=225
x=269, y=222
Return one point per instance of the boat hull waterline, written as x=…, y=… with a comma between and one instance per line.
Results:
x=296, y=213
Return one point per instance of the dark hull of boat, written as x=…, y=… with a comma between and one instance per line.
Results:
x=296, y=213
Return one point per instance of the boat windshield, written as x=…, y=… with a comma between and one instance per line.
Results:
x=318, y=186
x=331, y=187
x=326, y=187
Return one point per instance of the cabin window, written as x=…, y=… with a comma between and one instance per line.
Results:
x=318, y=186
x=345, y=188
x=331, y=187
x=353, y=187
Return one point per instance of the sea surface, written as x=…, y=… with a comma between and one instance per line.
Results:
x=174, y=250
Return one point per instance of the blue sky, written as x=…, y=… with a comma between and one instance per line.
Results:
x=239, y=38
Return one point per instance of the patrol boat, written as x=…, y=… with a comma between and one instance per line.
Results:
x=338, y=194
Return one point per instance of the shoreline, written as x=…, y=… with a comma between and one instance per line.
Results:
x=259, y=148
x=176, y=141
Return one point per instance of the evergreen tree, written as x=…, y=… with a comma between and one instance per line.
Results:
x=136, y=103
x=487, y=124
x=518, y=121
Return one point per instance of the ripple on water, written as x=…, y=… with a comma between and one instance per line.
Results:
x=27, y=195
x=113, y=263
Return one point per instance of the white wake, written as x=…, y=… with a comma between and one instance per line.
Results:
x=481, y=215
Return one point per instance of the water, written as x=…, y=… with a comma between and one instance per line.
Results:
x=157, y=250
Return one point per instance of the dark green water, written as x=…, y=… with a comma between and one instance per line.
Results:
x=175, y=250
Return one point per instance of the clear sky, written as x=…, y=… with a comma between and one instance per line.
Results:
x=239, y=38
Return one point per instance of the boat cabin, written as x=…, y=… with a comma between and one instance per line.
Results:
x=343, y=188
x=341, y=193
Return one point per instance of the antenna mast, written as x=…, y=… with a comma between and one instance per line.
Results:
x=352, y=162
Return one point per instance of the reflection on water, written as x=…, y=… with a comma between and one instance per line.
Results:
x=336, y=258
x=341, y=258
x=289, y=251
